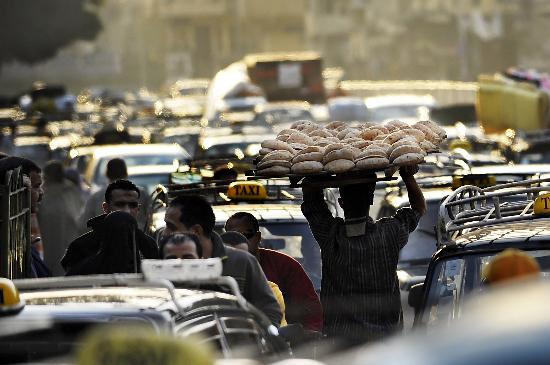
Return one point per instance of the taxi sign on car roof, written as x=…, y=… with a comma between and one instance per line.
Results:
x=177, y=270
x=542, y=205
x=481, y=181
x=246, y=190
x=10, y=302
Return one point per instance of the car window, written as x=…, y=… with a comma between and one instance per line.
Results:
x=295, y=239
x=230, y=335
x=445, y=293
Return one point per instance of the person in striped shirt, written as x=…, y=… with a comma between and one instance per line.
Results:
x=359, y=289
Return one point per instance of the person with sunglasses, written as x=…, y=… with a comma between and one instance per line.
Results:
x=302, y=302
x=121, y=195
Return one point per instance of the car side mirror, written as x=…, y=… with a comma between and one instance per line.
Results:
x=416, y=293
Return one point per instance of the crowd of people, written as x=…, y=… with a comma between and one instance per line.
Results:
x=104, y=233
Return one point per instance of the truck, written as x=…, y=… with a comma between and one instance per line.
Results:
x=288, y=76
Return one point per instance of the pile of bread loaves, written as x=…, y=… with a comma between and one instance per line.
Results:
x=309, y=148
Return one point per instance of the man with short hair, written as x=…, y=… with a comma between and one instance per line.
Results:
x=360, y=288
x=121, y=195
x=180, y=246
x=193, y=214
x=116, y=170
x=302, y=303
x=32, y=178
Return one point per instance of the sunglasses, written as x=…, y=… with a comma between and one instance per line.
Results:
x=184, y=257
x=249, y=235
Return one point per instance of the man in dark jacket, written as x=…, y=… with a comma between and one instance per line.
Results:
x=121, y=195
x=193, y=214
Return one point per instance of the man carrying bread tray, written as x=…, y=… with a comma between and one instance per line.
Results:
x=360, y=289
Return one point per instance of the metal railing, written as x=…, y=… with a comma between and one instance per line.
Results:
x=470, y=207
x=15, y=227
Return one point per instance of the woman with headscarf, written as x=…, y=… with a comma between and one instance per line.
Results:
x=118, y=251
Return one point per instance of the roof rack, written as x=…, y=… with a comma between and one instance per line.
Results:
x=216, y=191
x=127, y=280
x=470, y=207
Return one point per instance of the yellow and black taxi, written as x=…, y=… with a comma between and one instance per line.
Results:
x=474, y=225
x=275, y=204
x=48, y=318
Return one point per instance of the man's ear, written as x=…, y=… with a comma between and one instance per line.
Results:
x=106, y=208
x=258, y=236
x=197, y=230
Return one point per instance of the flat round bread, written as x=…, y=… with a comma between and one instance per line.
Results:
x=307, y=167
x=341, y=154
x=264, y=164
x=434, y=128
x=274, y=171
x=333, y=147
x=310, y=149
x=311, y=156
x=279, y=155
x=300, y=124
x=405, y=149
x=344, y=132
x=339, y=166
x=277, y=145
x=334, y=125
x=429, y=134
x=370, y=134
x=282, y=137
x=408, y=159
x=299, y=137
x=403, y=142
x=320, y=133
x=286, y=131
x=372, y=163
x=372, y=153
x=298, y=146
x=265, y=151
x=428, y=146
x=417, y=134
x=394, y=137
x=395, y=125
x=361, y=144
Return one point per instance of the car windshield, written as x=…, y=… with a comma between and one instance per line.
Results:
x=422, y=242
x=283, y=116
x=232, y=150
x=150, y=181
x=456, y=278
x=383, y=113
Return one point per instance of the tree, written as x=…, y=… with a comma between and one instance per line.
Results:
x=35, y=30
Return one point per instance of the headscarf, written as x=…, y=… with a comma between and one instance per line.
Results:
x=118, y=251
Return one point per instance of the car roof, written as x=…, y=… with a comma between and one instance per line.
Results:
x=117, y=297
x=281, y=105
x=131, y=149
x=398, y=99
x=271, y=213
x=520, y=169
x=151, y=169
x=521, y=232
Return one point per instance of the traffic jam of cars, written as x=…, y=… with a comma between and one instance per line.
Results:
x=275, y=214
